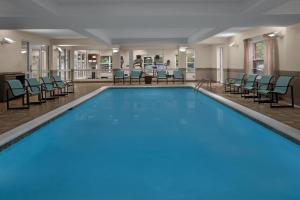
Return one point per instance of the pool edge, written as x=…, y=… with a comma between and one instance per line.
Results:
x=283, y=129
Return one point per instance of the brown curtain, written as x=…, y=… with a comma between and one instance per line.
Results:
x=270, y=55
x=247, y=55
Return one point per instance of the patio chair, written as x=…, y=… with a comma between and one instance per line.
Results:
x=135, y=75
x=249, y=86
x=47, y=87
x=35, y=89
x=161, y=75
x=263, y=85
x=281, y=88
x=119, y=75
x=235, y=84
x=63, y=86
x=15, y=90
x=178, y=76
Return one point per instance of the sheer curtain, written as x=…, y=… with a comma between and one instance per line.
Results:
x=270, y=55
x=248, y=56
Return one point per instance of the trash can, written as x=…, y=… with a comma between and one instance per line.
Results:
x=148, y=79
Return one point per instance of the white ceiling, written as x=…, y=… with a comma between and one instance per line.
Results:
x=129, y=21
x=55, y=33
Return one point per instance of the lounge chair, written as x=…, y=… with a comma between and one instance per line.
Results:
x=161, y=75
x=119, y=75
x=281, y=88
x=47, y=87
x=249, y=86
x=62, y=86
x=235, y=83
x=135, y=75
x=177, y=75
x=15, y=90
x=263, y=84
x=35, y=89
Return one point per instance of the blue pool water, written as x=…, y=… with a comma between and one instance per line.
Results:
x=151, y=144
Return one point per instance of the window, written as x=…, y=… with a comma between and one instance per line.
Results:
x=36, y=57
x=105, y=63
x=190, y=60
x=258, y=64
x=80, y=65
x=63, y=66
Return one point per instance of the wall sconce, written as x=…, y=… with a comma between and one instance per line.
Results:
x=233, y=44
x=275, y=34
x=59, y=49
x=7, y=40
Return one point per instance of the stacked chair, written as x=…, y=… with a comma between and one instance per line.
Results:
x=53, y=86
x=262, y=90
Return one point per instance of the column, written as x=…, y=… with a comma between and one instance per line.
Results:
x=116, y=58
x=182, y=62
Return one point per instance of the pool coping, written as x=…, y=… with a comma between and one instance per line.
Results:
x=285, y=130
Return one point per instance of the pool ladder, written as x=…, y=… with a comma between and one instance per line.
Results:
x=201, y=82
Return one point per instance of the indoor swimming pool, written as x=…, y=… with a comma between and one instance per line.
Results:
x=151, y=144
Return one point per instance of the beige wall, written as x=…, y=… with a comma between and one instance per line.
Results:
x=11, y=59
x=288, y=47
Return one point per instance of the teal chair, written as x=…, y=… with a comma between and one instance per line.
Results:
x=263, y=85
x=62, y=86
x=119, y=75
x=161, y=75
x=249, y=86
x=47, y=87
x=35, y=89
x=178, y=76
x=135, y=75
x=233, y=83
x=281, y=88
x=14, y=90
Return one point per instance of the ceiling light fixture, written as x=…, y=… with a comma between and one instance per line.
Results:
x=115, y=50
x=7, y=40
x=182, y=49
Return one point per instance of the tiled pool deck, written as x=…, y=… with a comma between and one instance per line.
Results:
x=13, y=118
